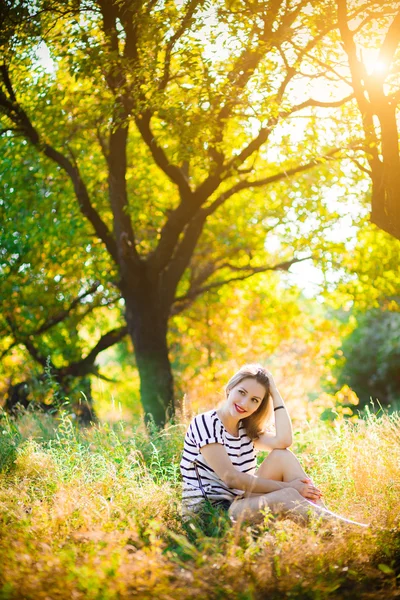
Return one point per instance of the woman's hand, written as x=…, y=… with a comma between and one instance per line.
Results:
x=271, y=379
x=306, y=488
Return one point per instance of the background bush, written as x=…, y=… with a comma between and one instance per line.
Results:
x=369, y=358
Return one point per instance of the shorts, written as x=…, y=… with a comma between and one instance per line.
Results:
x=224, y=504
x=190, y=511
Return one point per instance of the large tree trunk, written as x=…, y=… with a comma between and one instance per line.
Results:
x=147, y=325
x=386, y=176
x=147, y=307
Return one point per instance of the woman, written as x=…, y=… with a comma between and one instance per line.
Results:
x=219, y=456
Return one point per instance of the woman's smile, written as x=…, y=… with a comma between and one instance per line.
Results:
x=243, y=400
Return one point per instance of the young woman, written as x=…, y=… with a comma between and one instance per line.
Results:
x=219, y=456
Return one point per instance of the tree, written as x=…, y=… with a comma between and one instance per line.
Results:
x=47, y=301
x=378, y=95
x=165, y=143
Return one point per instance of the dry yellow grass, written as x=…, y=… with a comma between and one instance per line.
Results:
x=96, y=515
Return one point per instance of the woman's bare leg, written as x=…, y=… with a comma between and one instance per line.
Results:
x=282, y=465
x=288, y=502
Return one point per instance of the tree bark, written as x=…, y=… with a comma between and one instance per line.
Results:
x=147, y=322
x=147, y=308
x=386, y=180
x=382, y=146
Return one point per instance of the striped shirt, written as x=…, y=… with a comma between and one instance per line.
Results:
x=199, y=480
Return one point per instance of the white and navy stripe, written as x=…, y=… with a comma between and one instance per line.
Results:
x=199, y=479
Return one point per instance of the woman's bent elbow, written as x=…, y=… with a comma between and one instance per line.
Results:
x=283, y=444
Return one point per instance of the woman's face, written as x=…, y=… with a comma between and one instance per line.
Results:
x=245, y=398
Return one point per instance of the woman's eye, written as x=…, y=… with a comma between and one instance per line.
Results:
x=255, y=400
x=241, y=392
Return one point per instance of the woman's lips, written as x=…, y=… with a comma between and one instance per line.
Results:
x=239, y=410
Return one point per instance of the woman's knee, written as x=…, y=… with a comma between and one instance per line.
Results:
x=249, y=507
x=280, y=454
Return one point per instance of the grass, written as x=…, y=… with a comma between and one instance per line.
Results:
x=95, y=514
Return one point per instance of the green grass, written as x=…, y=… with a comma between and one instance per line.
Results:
x=95, y=514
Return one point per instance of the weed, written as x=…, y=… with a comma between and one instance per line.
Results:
x=95, y=514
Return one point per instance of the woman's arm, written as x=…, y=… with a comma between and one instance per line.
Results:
x=217, y=458
x=283, y=437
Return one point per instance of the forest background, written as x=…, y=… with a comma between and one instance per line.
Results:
x=190, y=186
x=187, y=187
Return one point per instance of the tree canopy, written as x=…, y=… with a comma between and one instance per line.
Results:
x=153, y=152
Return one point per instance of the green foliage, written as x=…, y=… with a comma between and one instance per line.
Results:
x=48, y=260
x=10, y=439
x=371, y=272
x=235, y=112
x=369, y=358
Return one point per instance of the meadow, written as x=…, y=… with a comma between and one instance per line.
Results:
x=95, y=514
x=187, y=187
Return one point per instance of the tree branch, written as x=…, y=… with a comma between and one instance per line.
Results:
x=252, y=147
x=360, y=166
x=312, y=102
x=115, y=76
x=186, y=21
x=75, y=369
x=123, y=230
x=391, y=42
x=250, y=58
x=194, y=229
x=97, y=373
x=182, y=216
x=85, y=205
x=187, y=299
x=182, y=256
x=7, y=350
x=245, y=184
x=173, y=172
x=61, y=316
x=243, y=70
x=27, y=342
x=7, y=82
x=357, y=68
x=85, y=365
x=264, y=132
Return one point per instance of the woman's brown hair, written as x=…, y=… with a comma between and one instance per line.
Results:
x=256, y=422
